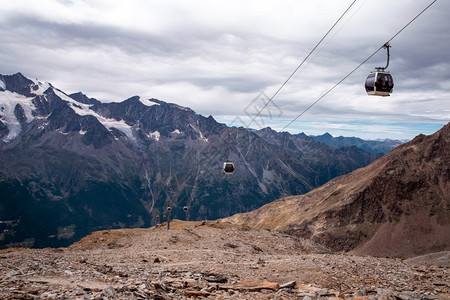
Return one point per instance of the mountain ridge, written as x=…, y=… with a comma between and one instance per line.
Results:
x=372, y=146
x=88, y=165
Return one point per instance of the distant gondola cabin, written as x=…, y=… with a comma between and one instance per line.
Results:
x=228, y=167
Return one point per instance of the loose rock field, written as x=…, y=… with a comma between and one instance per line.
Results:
x=213, y=261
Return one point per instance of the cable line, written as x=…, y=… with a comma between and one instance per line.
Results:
x=348, y=75
x=339, y=29
x=298, y=67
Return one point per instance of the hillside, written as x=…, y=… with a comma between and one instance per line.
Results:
x=399, y=205
x=212, y=260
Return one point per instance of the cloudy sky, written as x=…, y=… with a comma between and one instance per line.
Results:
x=225, y=58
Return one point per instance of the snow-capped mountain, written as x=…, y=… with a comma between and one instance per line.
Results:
x=19, y=106
x=71, y=164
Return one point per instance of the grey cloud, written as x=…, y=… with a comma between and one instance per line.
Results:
x=237, y=56
x=53, y=34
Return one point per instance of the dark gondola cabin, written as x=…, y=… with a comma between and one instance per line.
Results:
x=228, y=167
x=379, y=83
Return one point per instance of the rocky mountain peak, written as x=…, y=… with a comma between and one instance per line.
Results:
x=18, y=83
x=82, y=98
x=301, y=134
x=327, y=135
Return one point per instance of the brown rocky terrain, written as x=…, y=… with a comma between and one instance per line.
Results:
x=214, y=260
x=398, y=206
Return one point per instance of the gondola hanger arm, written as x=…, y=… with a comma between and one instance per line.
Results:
x=385, y=46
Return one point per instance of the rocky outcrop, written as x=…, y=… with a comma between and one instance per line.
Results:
x=19, y=84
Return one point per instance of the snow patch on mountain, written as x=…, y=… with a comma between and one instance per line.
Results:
x=2, y=85
x=79, y=108
x=43, y=125
x=155, y=135
x=268, y=175
x=202, y=137
x=85, y=110
x=176, y=131
x=39, y=88
x=147, y=102
x=61, y=132
x=120, y=125
x=8, y=103
x=262, y=186
x=14, y=130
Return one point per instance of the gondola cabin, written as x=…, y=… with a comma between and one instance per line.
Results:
x=379, y=83
x=228, y=167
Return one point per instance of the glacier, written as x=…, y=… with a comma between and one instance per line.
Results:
x=8, y=103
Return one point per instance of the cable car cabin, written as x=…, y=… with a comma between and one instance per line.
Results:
x=228, y=167
x=379, y=83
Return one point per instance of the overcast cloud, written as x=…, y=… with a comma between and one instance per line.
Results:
x=221, y=58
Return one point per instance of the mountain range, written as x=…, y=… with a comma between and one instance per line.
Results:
x=71, y=164
x=372, y=146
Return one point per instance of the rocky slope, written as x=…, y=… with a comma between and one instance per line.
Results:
x=212, y=260
x=399, y=205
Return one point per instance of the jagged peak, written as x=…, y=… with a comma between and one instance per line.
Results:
x=82, y=98
x=18, y=83
x=14, y=80
x=301, y=134
x=133, y=99
x=267, y=130
x=18, y=75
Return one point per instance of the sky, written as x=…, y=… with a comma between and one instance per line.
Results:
x=229, y=58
